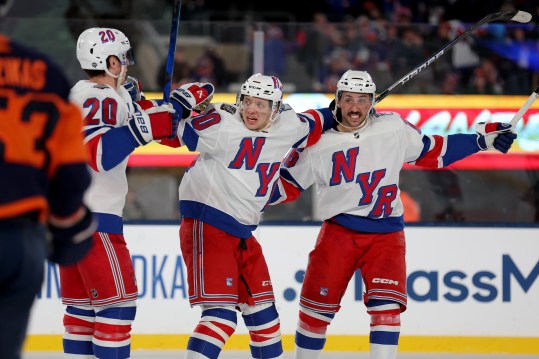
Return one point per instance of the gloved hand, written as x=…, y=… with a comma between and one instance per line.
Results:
x=152, y=122
x=191, y=96
x=495, y=136
x=134, y=87
x=71, y=240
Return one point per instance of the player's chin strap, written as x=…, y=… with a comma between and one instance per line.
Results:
x=120, y=77
x=338, y=116
x=274, y=114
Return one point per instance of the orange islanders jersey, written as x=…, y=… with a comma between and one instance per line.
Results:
x=42, y=156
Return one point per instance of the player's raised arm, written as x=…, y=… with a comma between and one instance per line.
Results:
x=440, y=151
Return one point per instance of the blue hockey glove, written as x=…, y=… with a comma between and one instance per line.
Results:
x=495, y=136
x=134, y=87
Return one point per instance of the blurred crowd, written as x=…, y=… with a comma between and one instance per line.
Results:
x=310, y=48
x=389, y=38
x=390, y=49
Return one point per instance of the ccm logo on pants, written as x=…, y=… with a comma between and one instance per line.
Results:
x=385, y=281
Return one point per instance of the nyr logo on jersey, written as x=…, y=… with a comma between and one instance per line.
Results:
x=344, y=168
x=248, y=155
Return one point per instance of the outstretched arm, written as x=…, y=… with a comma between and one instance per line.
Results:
x=441, y=151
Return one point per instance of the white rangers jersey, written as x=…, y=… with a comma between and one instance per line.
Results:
x=231, y=182
x=356, y=174
x=106, y=113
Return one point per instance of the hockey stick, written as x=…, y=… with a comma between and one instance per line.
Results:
x=529, y=102
x=172, y=48
x=515, y=15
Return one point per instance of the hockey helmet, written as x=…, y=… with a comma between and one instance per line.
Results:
x=96, y=44
x=355, y=81
x=264, y=87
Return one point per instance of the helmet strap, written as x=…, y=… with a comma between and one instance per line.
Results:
x=110, y=73
x=275, y=106
x=121, y=77
x=351, y=128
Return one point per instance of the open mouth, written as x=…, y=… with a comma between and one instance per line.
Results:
x=251, y=120
x=354, y=116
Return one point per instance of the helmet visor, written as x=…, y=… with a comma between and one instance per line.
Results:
x=130, y=57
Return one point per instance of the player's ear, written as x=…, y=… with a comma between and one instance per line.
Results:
x=113, y=62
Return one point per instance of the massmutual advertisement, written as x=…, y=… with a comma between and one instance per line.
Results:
x=470, y=290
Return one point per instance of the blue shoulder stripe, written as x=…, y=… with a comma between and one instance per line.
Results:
x=459, y=146
x=117, y=144
x=426, y=145
x=190, y=137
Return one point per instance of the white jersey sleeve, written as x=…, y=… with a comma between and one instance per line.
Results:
x=202, y=133
x=297, y=175
x=105, y=116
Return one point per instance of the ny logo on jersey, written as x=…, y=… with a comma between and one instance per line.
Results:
x=248, y=154
x=344, y=169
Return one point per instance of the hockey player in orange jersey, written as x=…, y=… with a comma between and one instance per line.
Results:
x=43, y=176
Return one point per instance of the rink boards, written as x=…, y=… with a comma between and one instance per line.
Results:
x=470, y=290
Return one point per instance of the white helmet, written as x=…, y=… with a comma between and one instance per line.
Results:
x=262, y=86
x=355, y=81
x=95, y=45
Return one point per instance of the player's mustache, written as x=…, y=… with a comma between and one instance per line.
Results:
x=355, y=113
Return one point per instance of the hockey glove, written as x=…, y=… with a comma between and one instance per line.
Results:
x=191, y=96
x=153, y=122
x=134, y=87
x=495, y=136
x=70, y=242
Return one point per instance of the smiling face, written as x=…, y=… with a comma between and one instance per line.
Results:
x=255, y=112
x=355, y=108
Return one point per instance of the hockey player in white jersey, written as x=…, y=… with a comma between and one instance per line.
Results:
x=222, y=197
x=355, y=169
x=100, y=291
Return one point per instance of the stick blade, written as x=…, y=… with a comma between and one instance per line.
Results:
x=522, y=17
